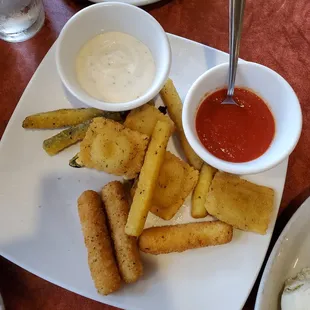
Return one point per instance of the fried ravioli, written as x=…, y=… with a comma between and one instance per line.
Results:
x=175, y=182
x=240, y=203
x=109, y=146
x=144, y=119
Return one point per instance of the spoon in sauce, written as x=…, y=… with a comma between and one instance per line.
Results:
x=236, y=9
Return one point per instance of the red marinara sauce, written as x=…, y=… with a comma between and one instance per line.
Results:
x=232, y=133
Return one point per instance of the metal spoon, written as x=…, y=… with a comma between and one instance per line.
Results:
x=236, y=9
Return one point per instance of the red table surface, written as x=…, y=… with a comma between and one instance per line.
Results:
x=276, y=33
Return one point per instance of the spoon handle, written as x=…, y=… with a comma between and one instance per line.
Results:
x=236, y=9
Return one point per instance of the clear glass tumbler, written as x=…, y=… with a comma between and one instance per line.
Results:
x=20, y=19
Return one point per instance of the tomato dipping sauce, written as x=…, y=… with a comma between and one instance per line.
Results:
x=235, y=133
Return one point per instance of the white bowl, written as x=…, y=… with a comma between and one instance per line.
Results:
x=273, y=89
x=290, y=255
x=111, y=16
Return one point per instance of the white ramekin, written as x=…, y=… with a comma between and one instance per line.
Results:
x=111, y=16
x=273, y=89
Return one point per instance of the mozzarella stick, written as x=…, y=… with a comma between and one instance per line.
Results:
x=179, y=238
x=101, y=260
x=126, y=248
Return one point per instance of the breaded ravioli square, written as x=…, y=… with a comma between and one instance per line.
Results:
x=109, y=146
x=240, y=203
x=175, y=182
x=144, y=119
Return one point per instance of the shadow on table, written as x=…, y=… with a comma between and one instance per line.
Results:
x=22, y=290
x=84, y=3
x=156, y=5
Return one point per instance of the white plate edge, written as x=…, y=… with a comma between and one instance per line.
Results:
x=298, y=213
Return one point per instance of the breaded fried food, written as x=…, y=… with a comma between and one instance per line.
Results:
x=175, y=182
x=240, y=203
x=126, y=248
x=144, y=119
x=101, y=261
x=174, y=104
x=66, y=117
x=65, y=138
x=199, y=197
x=142, y=200
x=75, y=161
x=109, y=146
x=179, y=238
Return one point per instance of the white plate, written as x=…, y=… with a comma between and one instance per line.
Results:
x=289, y=256
x=133, y=2
x=39, y=224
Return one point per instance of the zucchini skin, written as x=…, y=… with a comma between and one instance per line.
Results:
x=65, y=138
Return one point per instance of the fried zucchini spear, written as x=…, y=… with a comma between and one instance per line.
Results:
x=65, y=138
x=173, y=102
x=66, y=117
x=76, y=162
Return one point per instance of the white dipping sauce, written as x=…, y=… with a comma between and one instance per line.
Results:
x=115, y=67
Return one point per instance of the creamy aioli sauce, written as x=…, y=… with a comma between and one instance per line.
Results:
x=115, y=67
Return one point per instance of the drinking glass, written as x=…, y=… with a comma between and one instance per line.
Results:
x=20, y=19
